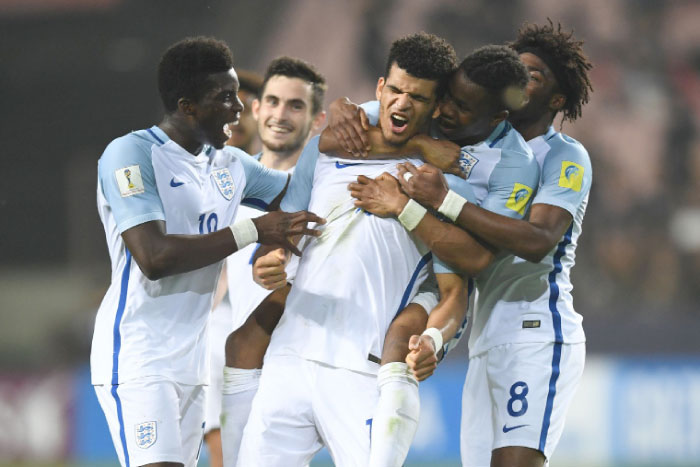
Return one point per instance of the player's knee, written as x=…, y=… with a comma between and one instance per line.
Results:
x=164, y=464
x=517, y=456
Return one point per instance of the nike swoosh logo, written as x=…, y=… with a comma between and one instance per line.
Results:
x=506, y=429
x=338, y=165
x=175, y=184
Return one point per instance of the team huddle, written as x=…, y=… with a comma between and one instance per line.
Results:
x=352, y=261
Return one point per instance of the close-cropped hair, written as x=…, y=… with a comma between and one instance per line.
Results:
x=185, y=67
x=424, y=56
x=297, y=68
x=498, y=69
x=565, y=58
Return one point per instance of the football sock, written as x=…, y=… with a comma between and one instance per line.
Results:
x=239, y=388
x=396, y=417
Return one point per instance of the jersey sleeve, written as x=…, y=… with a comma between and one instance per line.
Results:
x=512, y=184
x=262, y=185
x=126, y=177
x=566, y=178
x=299, y=192
x=371, y=108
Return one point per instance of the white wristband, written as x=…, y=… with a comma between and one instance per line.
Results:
x=244, y=233
x=437, y=338
x=411, y=215
x=452, y=205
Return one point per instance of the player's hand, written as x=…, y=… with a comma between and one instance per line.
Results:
x=427, y=184
x=381, y=196
x=269, y=270
x=277, y=227
x=441, y=153
x=421, y=358
x=349, y=124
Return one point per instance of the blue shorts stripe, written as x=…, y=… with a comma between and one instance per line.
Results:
x=558, y=336
x=120, y=417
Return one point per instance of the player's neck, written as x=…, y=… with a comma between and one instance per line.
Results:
x=531, y=129
x=180, y=133
x=279, y=160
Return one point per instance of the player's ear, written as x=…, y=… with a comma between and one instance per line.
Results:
x=557, y=102
x=318, y=120
x=186, y=106
x=380, y=86
x=255, y=107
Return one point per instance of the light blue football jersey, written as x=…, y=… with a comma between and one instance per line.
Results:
x=158, y=328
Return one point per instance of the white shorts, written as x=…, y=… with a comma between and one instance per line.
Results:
x=302, y=405
x=518, y=395
x=220, y=327
x=154, y=421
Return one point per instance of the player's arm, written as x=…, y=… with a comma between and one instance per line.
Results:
x=350, y=135
x=443, y=324
x=383, y=197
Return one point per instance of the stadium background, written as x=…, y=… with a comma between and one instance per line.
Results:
x=77, y=73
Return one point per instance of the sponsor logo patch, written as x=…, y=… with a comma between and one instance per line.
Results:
x=531, y=324
x=146, y=434
x=467, y=162
x=224, y=182
x=571, y=175
x=129, y=180
x=517, y=201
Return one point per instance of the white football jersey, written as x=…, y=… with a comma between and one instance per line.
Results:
x=353, y=279
x=158, y=328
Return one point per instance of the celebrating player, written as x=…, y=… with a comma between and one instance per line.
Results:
x=162, y=195
x=289, y=109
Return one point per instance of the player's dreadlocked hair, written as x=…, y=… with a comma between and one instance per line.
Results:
x=297, y=68
x=498, y=69
x=185, y=67
x=564, y=56
x=424, y=56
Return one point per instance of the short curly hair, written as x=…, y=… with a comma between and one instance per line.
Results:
x=499, y=70
x=297, y=68
x=185, y=67
x=564, y=56
x=424, y=56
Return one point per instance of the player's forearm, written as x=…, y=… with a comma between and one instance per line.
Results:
x=520, y=237
x=453, y=245
x=448, y=314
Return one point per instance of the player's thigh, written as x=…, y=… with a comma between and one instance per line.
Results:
x=281, y=428
x=476, y=430
x=531, y=387
x=144, y=421
x=410, y=321
x=344, y=404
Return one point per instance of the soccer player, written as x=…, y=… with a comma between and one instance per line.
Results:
x=498, y=163
x=243, y=135
x=288, y=111
x=350, y=285
x=166, y=196
x=527, y=346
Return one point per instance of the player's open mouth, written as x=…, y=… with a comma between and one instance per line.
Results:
x=398, y=122
x=446, y=125
x=279, y=129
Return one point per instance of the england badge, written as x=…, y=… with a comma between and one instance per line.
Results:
x=224, y=182
x=467, y=162
x=146, y=434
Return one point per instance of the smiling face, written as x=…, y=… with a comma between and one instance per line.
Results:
x=284, y=113
x=467, y=112
x=219, y=106
x=406, y=104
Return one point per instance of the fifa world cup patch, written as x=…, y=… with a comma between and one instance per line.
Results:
x=224, y=182
x=146, y=434
x=129, y=180
x=517, y=201
x=571, y=175
x=467, y=162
